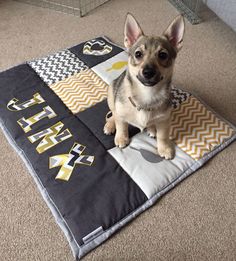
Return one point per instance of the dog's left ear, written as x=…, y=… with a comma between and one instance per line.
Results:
x=132, y=31
x=175, y=32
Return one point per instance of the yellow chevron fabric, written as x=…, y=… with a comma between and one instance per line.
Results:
x=197, y=130
x=81, y=90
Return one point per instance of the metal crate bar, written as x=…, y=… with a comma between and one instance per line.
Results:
x=189, y=8
x=75, y=7
x=88, y=5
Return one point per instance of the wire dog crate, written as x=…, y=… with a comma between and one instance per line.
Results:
x=75, y=7
x=189, y=8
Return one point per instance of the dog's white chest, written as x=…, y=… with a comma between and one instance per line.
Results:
x=140, y=119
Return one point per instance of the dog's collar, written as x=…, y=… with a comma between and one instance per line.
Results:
x=139, y=108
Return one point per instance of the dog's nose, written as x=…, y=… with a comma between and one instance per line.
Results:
x=148, y=72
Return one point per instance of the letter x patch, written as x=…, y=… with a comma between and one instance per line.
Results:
x=69, y=161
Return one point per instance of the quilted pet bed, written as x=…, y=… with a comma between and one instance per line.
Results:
x=52, y=111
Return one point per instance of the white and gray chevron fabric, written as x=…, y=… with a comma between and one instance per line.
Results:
x=58, y=66
x=178, y=96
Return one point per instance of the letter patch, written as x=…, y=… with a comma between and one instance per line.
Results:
x=27, y=123
x=68, y=161
x=12, y=106
x=50, y=137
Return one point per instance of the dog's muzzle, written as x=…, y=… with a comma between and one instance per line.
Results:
x=149, y=76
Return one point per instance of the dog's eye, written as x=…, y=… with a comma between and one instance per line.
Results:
x=162, y=55
x=138, y=54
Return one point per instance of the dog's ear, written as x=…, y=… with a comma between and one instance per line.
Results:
x=132, y=31
x=175, y=32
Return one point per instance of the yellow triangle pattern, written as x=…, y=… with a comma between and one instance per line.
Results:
x=81, y=90
x=197, y=130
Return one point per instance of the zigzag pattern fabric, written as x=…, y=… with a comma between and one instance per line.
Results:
x=58, y=66
x=81, y=91
x=197, y=130
x=178, y=96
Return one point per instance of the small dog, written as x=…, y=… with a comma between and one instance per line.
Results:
x=140, y=96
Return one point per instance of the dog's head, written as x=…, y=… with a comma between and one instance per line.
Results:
x=151, y=59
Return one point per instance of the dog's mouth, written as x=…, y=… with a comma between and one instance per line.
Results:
x=150, y=82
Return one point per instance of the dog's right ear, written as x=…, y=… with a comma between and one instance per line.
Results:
x=175, y=32
x=132, y=31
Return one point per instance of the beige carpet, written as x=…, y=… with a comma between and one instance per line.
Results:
x=197, y=219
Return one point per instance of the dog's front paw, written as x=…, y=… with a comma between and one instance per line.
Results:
x=109, y=128
x=166, y=150
x=121, y=141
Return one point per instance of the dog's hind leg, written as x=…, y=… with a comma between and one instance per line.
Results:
x=110, y=126
x=151, y=131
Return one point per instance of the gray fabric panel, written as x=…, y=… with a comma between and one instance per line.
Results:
x=59, y=219
x=97, y=241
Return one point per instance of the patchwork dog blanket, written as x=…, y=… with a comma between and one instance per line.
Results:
x=52, y=111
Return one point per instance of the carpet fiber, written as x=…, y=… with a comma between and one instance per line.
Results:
x=196, y=220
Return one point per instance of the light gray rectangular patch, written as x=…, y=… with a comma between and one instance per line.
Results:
x=95, y=233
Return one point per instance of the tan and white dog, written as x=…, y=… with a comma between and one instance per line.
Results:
x=140, y=96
